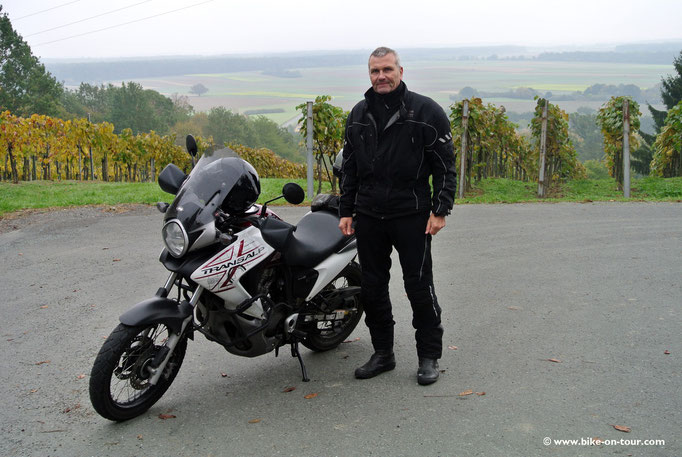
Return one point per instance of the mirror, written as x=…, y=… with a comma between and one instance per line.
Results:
x=191, y=145
x=171, y=179
x=293, y=193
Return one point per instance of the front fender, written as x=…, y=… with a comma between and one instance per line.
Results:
x=158, y=310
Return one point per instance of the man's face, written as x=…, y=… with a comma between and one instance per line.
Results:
x=384, y=74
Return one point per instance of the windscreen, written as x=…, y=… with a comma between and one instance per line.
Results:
x=202, y=193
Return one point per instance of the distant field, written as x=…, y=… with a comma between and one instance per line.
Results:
x=243, y=91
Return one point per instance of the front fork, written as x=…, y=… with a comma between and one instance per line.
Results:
x=156, y=369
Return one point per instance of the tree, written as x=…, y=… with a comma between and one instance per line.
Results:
x=468, y=92
x=610, y=120
x=667, y=160
x=671, y=94
x=328, y=129
x=561, y=160
x=25, y=86
x=228, y=127
x=277, y=139
x=198, y=89
x=588, y=140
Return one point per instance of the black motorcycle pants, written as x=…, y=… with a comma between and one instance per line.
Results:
x=376, y=238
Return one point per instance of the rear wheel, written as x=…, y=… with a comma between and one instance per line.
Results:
x=329, y=339
x=119, y=382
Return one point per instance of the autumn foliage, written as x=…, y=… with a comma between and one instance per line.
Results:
x=49, y=148
x=494, y=149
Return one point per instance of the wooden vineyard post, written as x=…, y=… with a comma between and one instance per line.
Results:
x=463, y=154
x=543, y=152
x=626, y=148
x=309, y=143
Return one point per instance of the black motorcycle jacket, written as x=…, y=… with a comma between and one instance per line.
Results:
x=385, y=171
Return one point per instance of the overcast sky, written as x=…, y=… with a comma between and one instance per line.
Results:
x=121, y=28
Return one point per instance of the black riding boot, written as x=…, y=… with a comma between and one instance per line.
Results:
x=379, y=362
x=428, y=371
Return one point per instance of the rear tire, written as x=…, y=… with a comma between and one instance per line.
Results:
x=119, y=382
x=351, y=275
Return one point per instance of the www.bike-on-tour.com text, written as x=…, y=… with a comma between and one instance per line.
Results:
x=547, y=441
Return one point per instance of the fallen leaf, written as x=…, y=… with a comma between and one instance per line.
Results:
x=116, y=260
x=454, y=348
x=621, y=428
x=44, y=361
x=352, y=341
x=167, y=416
x=224, y=375
x=466, y=392
x=76, y=406
x=34, y=391
x=309, y=396
x=289, y=389
x=139, y=437
x=480, y=394
x=554, y=360
x=254, y=421
x=666, y=352
x=80, y=376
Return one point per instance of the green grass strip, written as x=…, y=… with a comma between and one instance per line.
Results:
x=49, y=194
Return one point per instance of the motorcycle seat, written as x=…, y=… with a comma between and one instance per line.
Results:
x=313, y=239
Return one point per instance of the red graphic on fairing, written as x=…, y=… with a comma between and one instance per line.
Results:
x=220, y=271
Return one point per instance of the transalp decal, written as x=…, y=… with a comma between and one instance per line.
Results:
x=219, y=271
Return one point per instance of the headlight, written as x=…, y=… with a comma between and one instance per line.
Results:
x=175, y=238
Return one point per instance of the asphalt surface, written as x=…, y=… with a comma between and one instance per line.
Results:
x=567, y=317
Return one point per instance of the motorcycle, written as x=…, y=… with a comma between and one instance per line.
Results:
x=239, y=275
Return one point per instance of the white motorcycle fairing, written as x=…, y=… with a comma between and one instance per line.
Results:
x=221, y=274
x=329, y=268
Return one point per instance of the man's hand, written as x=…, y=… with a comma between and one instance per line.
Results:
x=345, y=225
x=435, y=224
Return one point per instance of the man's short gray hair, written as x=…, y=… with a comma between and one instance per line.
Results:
x=382, y=51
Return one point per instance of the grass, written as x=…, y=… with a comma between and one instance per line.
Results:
x=584, y=190
x=48, y=194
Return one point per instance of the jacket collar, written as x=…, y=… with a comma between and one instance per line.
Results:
x=395, y=97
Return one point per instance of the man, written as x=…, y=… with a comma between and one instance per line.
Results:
x=395, y=140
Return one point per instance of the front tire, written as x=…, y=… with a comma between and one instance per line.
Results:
x=119, y=382
x=349, y=276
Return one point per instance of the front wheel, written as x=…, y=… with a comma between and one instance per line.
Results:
x=329, y=339
x=119, y=382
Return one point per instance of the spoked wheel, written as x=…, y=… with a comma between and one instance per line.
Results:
x=119, y=382
x=329, y=339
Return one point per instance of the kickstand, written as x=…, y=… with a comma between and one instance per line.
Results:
x=295, y=353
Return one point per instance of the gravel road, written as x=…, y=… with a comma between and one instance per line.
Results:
x=562, y=320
